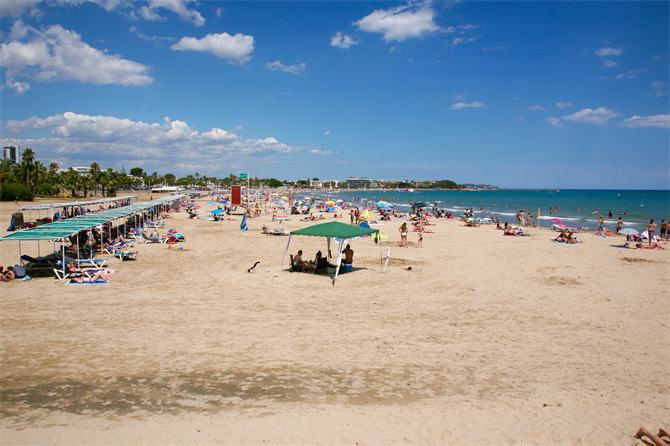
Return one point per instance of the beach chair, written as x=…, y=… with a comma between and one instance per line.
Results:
x=37, y=264
x=125, y=255
x=144, y=238
x=96, y=263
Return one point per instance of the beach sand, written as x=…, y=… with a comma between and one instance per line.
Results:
x=487, y=340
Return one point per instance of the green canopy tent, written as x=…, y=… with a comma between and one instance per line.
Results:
x=333, y=229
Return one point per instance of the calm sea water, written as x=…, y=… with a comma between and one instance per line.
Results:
x=576, y=207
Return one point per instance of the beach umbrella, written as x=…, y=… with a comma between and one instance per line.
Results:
x=217, y=211
x=243, y=225
x=211, y=202
x=556, y=220
x=628, y=231
x=419, y=205
x=195, y=207
x=223, y=202
x=284, y=198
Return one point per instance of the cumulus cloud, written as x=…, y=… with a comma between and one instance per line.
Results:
x=149, y=12
x=57, y=53
x=647, y=121
x=340, y=40
x=556, y=122
x=563, y=105
x=461, y=105
x=235, y=48
x=536, y=108
x=609, y=63
x=17, y=8
x=293, y=69
x=610, y=51
x=660, y=88
x=80, y=138
x=401, y=23
x=322, y=152
x=600, y=115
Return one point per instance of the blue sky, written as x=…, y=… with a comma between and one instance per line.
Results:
x=515, y=94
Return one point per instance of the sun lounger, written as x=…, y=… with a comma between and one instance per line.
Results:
x=144, y=238
x=39, y=263
x=125, y=255
x=96, y=263
x=278, y=231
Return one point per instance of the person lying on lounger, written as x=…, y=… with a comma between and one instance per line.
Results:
x=97, y=277
x=74, y=269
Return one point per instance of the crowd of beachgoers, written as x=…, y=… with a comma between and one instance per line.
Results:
x=76, y=259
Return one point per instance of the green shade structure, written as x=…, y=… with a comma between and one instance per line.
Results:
x=333, y=229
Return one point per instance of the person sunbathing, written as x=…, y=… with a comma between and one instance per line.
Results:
x=650, y=246
x=656, y=439
x=97, y=277
x=74, y=269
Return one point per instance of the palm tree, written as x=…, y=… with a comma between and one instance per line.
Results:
x=39, y=175
x=28, y=158
x=95, y=173
x=6, y=173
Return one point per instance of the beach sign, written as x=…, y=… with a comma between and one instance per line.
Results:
x=244, y=175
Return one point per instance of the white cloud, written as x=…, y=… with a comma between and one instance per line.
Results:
x=400, y=23
x=556, y=122
x=466, y=27
x=660, y=88
x=219, y=12
x=609, y=63
x=458, y=40
x=155, y=39
x=293, y=69
x=610, y=51
x=16, y=8
x=322, y=152
x=326, y=133
x=647, y=121
x=235, y=48
x=630, y=74
x=461, y=96
x=79, y=138
x=342, y=40
x=536, y=108
x=563, y=105
x=177, y=6
x=461, y=105
x=600, y=116
x=60, y=54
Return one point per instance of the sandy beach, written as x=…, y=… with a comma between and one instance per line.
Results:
x=486, y=340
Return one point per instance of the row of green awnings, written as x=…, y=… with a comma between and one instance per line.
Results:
x=61, y=229
x=42, y=207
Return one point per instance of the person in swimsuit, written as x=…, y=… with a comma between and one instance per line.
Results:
x=403, y=235
x=619, y=225
x=651, y=227
x=97, y=277
x=664, y=229
x=656, y=439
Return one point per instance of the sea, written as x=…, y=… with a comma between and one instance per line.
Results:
x=575, y=207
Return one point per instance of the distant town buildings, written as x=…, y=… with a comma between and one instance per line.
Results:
x=358, y=183
x=81, y=171
x=10, y=153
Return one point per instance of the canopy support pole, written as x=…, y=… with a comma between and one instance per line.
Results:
x=339, y=261
x=284, y=258
x=330, y=256
x=381, y=255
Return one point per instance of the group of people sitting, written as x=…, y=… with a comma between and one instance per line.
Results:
x=566, y=237
x=511, y=230
x=319, y=263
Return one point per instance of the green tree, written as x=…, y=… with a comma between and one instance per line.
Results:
x=39, y=175
x=28, y=158
x=136, y=172
x=273, y=182
x=6, y=172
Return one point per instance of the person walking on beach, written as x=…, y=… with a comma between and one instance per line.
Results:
x=530, y=221
x=619, y=225
x=419, y=244
x=601, y=223
x=664, y=229
x=651, y=227
x=403, y=236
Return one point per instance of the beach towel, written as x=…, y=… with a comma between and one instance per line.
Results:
x=87, y=283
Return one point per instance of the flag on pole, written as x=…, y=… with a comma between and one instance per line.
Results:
x=243, y=176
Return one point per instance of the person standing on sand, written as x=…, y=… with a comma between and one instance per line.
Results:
x=619, y=225
x=664, y=229
x=403, y=236
x=651, y=227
